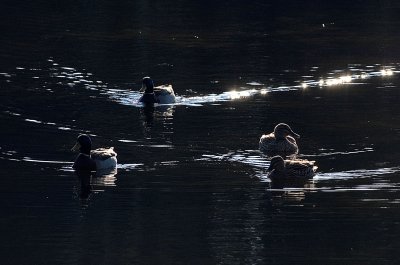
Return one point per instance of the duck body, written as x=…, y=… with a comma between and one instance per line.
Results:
x=165, y=94
x=281, y=169
x=105, y=158
x=271, y=146
x=84, y=162
x=93, y=160
x=161, y=94
x=281, y=142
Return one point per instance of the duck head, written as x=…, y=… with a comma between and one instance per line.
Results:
x=282, y=130
x=147, y=85
x=277, y=163
x=83, y=144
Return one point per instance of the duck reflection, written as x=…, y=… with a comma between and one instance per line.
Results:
x=84, y=177
x=104, y=178
x=296, y=194
x=91, y=181
x=147, y=113
x=150, y=114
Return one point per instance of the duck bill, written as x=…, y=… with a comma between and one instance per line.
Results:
x=142, y=89
x=76, y=147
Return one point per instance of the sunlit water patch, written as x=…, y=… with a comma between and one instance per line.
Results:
x=252, y=158
x=355, y=74
x=359, y=180
x=249, y=157
x=66, y=166
x=260, y=163
x=126, y=95
x=359, y=173
x=12, y=155
x=331, y=152
x=63, y=127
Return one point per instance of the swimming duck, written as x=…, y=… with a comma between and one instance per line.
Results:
x=291, y=169
x=280, y=142
x=161, y=94
x=93, y=160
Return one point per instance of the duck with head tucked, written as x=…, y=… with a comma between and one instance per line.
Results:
x=93, y=160
x=280, y=142
x=280, y=169
x=161, y=94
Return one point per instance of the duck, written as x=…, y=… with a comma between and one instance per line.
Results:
x=163, y=94
x=93, y=160
x=300, y=169
x=280, y=142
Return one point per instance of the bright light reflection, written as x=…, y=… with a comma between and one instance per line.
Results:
x=339, y=80
x=345, y=79
x=239, y=94
x=386, y=72
x=244, y=94
x=333, y=81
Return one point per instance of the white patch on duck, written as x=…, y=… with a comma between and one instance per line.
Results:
x=165, y=94
x=105, y=158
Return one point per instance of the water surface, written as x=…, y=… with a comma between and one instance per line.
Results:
x=191, y=186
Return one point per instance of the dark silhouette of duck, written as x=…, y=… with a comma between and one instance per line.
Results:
x=281, y=169
x=93, y=160
x=161, y=94
x=281, y=142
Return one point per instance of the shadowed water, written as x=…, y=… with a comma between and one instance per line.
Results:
x=191, y=186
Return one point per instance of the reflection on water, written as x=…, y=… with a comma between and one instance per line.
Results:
x=150, y=112
x=331, y=152
x=191, y=186
x=128, y=95
x=356, y=173
x=94, y=181
x=296, y=189
x=260, y=164
x=105, y=178
x=85, y=188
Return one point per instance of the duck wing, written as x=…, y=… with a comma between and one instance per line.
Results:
x=103, y=153
x=301, y=168
x=267, y=141
x=164, y=90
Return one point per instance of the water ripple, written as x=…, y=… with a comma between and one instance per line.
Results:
x=72, y=77
x=259, y=164
x=359, y=173
x=327, y=153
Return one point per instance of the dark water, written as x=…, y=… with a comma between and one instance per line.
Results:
x=191, y=186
